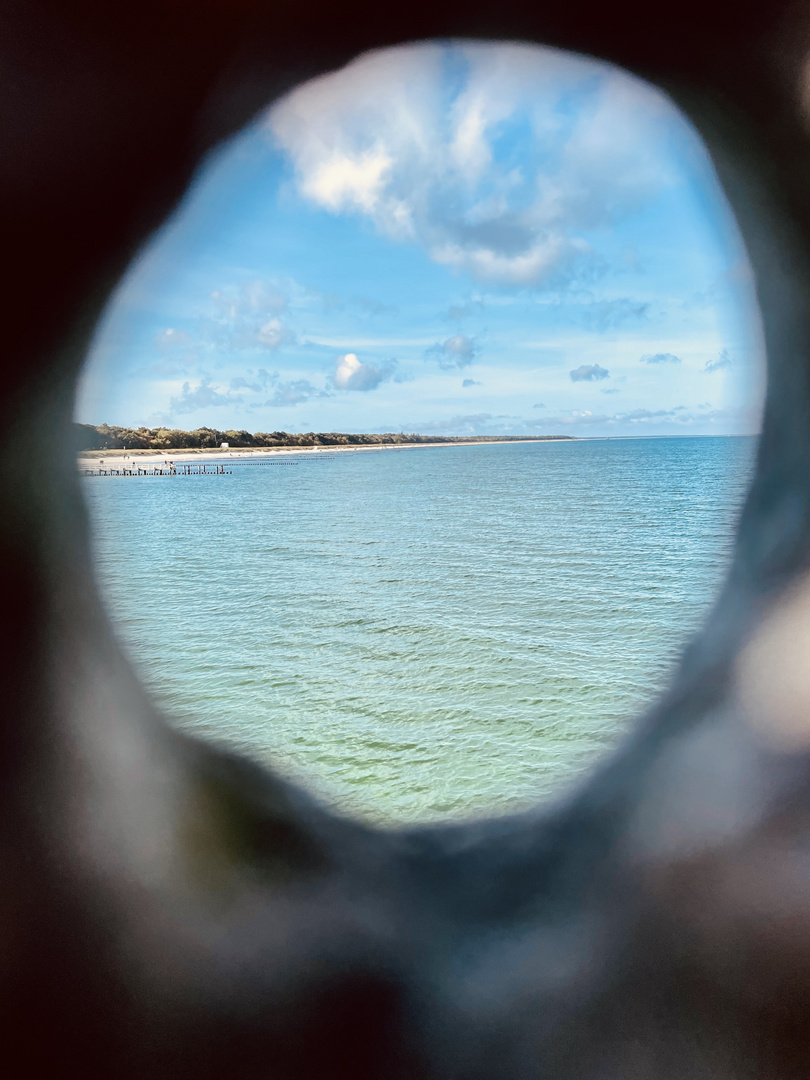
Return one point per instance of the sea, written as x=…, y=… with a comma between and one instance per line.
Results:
x=421, y=634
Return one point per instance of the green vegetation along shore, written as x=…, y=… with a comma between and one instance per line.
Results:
x=105, y=437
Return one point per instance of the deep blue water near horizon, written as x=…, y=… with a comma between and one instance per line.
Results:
x=422, y=634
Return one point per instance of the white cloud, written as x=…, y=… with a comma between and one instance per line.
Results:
x=352, y=374
x=343, y=181
x=273, y=334
x=392, y=137
x=660, y=358
x=589, y=373
x=457, y=351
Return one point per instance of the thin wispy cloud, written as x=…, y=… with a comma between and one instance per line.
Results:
x=203, y=396
x=723, y=360
x=171, y=338
x=660, y=358
x=255, y=382
x=247, y=317
x=459, y=312
x=375, y=307
x=253, y=299
x=295, y=392
x=357, y=342
x=677, y=419
x=461, y=424
x=603, y=315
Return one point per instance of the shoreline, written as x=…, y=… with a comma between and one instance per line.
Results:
x=146, y=458
x=89, y=459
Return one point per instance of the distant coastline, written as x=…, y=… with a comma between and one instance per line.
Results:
x=150, y=445
x=94, y=440
x=148, y=458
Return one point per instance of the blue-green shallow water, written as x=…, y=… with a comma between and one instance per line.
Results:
x=424, y=633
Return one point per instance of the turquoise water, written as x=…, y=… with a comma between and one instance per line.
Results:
x=427, y=633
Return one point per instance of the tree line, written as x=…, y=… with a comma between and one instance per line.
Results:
x=107, y=437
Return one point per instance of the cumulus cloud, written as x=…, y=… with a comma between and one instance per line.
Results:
x=415, y=143
x=202, y=396
x=294, y=393
x=457, y=351
x=352, y=374
x=470, y=382
x=660, y=358
x=723, y=360
x=589, y=373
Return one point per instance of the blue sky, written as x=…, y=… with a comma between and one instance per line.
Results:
x=456, y=239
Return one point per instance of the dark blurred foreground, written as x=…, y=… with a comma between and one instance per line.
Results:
x=168, y=910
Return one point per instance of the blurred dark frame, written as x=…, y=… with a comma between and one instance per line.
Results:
x=169, y=910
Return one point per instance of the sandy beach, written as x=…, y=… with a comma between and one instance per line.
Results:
x=147, y=459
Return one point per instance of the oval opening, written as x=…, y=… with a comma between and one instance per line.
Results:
x=491, y=242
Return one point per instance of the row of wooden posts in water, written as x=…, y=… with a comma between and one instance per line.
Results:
x=184, y=469
x=169, y=470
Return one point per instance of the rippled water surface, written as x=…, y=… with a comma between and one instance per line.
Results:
x=421, y=633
